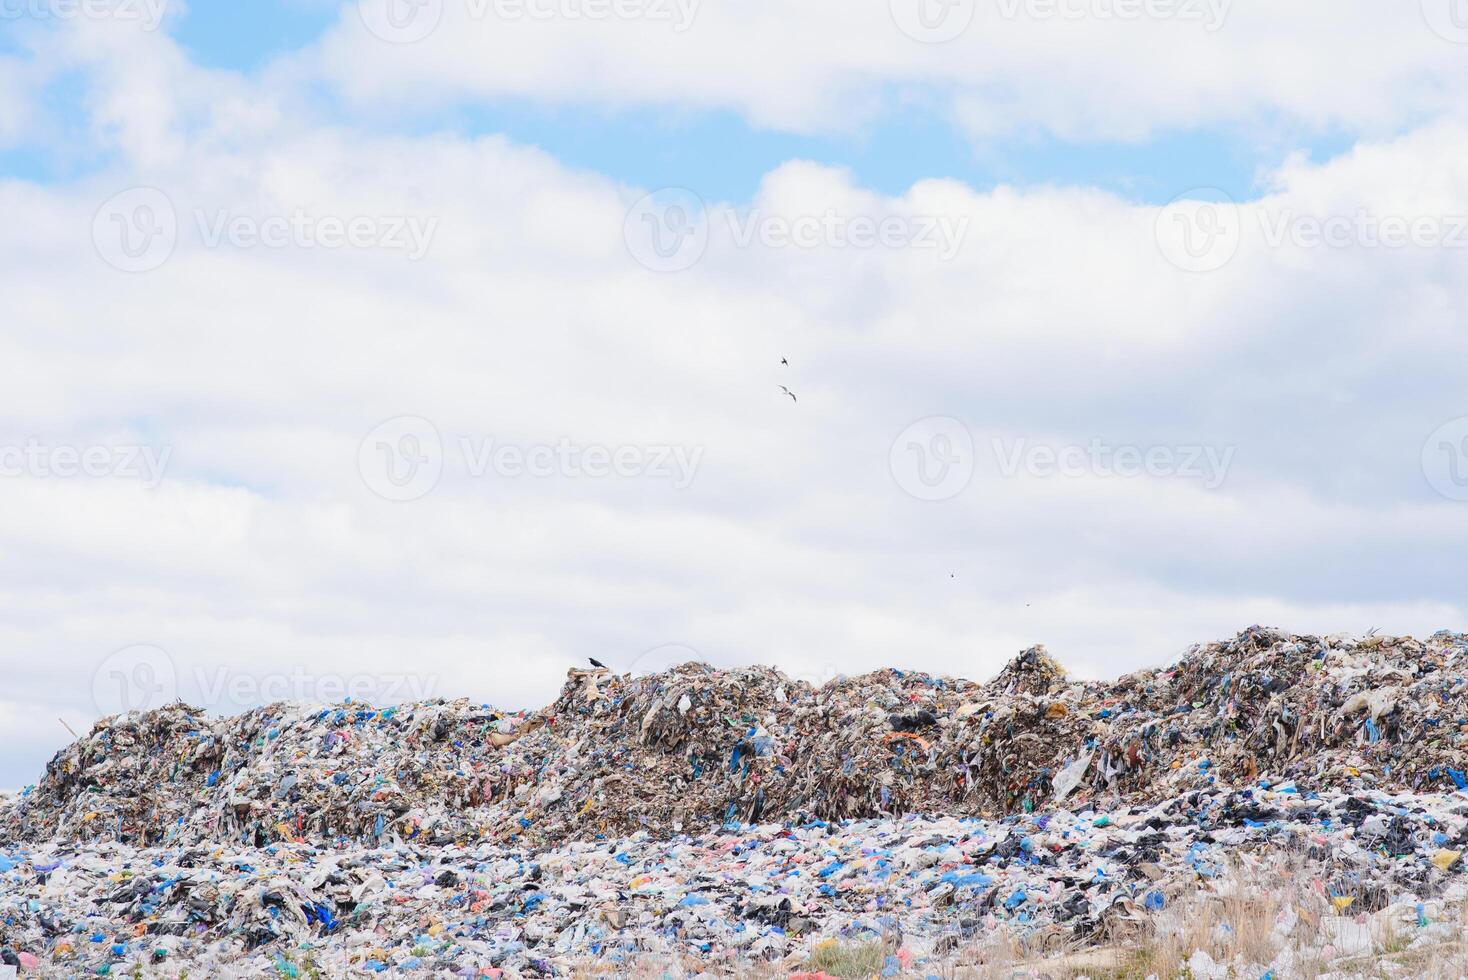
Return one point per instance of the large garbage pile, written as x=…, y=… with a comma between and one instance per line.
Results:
x=723, y=818
x=757, y=900
x=282, y=772
x=694, y=747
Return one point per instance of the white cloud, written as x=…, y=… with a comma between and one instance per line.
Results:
x=1076, y=68
x=1059, y=321
x=15, y=113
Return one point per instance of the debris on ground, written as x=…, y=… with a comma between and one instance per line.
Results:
x=728, y=817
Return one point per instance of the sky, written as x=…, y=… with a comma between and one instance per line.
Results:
x=425, y=348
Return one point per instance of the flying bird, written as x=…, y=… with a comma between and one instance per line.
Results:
x=790, y=393
x=597, y=663
x=784, y=362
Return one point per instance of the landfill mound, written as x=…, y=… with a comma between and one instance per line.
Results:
x=1273, y=805
x=1271, y=882
x=694, y=747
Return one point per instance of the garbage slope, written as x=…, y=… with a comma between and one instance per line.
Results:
x=693, y=746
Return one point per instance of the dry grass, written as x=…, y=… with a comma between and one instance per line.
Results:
x=849, y=962
x=1274, y=916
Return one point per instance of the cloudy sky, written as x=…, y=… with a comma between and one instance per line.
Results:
x=405, y=349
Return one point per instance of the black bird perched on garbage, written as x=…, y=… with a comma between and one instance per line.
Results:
x=913, y=722
x=597, y=663
x=790, y=393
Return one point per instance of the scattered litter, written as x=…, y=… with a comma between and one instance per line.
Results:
x=731, y=816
